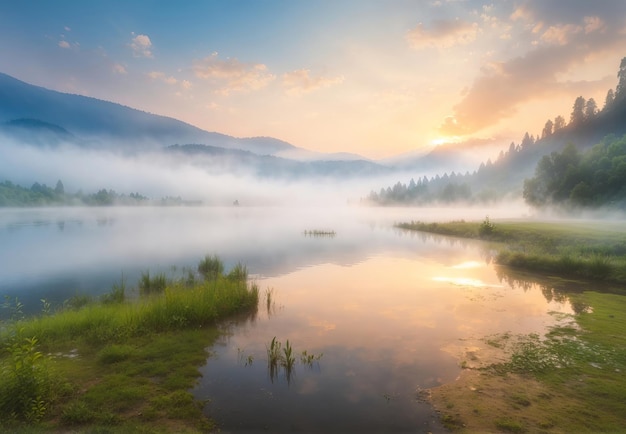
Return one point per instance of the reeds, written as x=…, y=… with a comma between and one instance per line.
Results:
x=279, y=356
x=320, y=233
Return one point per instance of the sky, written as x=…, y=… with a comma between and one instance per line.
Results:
x=377, y=78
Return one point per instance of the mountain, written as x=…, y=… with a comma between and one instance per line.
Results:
x=217, y=159
x=105, y=124
x=36, y=132
x=447, y=157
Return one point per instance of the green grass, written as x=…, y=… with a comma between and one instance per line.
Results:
x=579, y=366
x=121, y=366
x=586, y=367
x=568, y=249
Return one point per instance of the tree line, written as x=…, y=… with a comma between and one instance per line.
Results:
x=12, y=195
x=506, y=176
x=594, y=178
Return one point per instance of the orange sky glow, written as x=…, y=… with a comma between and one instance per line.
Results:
x=369, y=77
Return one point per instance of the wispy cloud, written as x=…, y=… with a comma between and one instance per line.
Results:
x=119, y=69
x=300, y=81
x=560, y=41
x=64, y=43
x=161, y=76
x=141, y=46
x=442, y=34
x=231, y=75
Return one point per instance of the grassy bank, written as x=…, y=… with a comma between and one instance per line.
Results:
x=118, y=365
x=572, y=378
x=567, y=249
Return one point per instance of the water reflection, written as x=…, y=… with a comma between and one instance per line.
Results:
x=388, y=326
x=393, y=312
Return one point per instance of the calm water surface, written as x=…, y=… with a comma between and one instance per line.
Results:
x=390, y=312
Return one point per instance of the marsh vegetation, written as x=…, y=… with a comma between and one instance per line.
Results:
x=118, y=363
x=320, y=233
x=568, y=249
x=567, y=379
x=394, y=313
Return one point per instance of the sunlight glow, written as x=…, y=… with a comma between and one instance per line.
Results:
x=465, y=281
x=468, y=264
x=439, y=141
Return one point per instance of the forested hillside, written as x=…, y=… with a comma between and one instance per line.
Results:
x=595, y=178
x=504, y=177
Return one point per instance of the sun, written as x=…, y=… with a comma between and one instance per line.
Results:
x=443, y=140
x=440, y=141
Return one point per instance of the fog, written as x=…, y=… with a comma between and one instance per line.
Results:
x=157, y=175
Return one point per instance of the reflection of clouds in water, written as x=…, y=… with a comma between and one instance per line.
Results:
x=308, y=386
x=323, y=325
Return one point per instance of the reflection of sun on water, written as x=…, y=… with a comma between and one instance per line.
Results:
x=465, y=281
x=468, y=264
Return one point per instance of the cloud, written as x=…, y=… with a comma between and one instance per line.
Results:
x=157, y=75
x=64, y=44
x=300, y=81
x=119, y=69
x=231, y=75
x=141, y=46
x=442, y=34
x=503, y=86
x=559, y=46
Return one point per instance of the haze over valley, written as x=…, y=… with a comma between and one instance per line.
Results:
x=330, y=216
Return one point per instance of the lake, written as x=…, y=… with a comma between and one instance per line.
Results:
x=384, y=313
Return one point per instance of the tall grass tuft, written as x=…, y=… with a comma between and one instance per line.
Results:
x=239, y=273
x=116, y=295
x=152, y=285
x=600, y=267
x=211, y=267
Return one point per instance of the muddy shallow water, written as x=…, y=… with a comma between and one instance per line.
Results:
x=389, y=312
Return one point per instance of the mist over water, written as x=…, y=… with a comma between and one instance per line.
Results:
x=391, y=311
x=55, y=253
x=386, y=308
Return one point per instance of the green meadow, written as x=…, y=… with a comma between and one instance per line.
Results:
x=119, y=365
x=572, y=378
x=568, y=249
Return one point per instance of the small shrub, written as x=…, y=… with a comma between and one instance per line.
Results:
x=486, y=228
x=25, y=387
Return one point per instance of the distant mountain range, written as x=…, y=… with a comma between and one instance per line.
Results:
x=41, y=117
x=36, y=108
